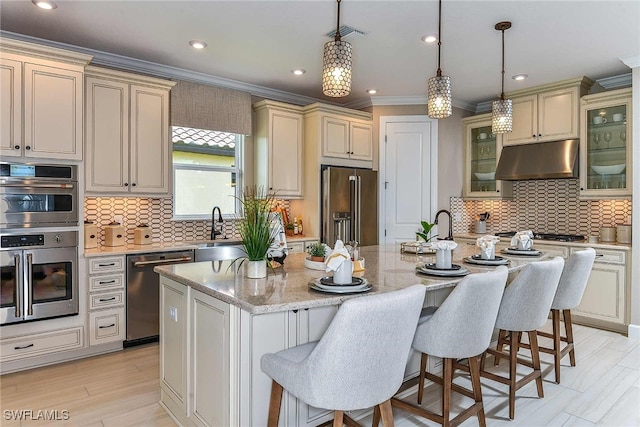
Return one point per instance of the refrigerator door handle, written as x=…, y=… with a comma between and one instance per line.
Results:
x=353, y=207
x=358, y=211
x=18, y=270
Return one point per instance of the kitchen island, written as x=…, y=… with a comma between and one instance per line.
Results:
x=215, y=325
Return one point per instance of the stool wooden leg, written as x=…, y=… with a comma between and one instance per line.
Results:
x=474, y=370
x=501, y=337
x=513, y=362
x=386, y=413
x=337, y=418
x=447, y=379
x=423, y=370
x=555, y=316
x=535, y=358
x=569, y=328
x=375, y=421
x=274, y=404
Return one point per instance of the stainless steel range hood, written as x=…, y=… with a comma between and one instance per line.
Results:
x=544, y=160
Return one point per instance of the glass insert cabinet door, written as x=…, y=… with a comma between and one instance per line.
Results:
x=483, y=160
x=606, y=143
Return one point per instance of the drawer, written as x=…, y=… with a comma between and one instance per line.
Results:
x=106, y=326
x=106, y=264
x=607, y=256
x=106, y=300
x=295, y=247
x=43, y=343
x=552, y=250
x=103, y=283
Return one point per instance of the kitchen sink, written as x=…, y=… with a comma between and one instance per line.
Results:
x=214, y=251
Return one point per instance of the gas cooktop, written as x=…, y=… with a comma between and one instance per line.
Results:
x=547, y=236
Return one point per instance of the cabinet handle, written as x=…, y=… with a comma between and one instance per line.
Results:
x=581, y=188
x=107, y=326
x=126, y=184
x=16, y=147
x=92, y=236
x=107, y=265
x=133, y=184
x=599, y=255
x=22, y=347
x=28, y=147
x=107, y=282
x=534, y=135
x=107, y=299
x=119, y=236
x=539, y=134
x=497, y=191
x=295, y=311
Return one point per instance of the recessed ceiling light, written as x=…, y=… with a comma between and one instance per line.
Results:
x=429, y=38
x=47, y=5
x=372, y=91
x=298, y=71
x=520, y=76
x=197, y=44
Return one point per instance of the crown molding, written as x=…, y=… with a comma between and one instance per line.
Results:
x=614, y=82
x=484, y=107
x=413, y=100
x=631, y=61
x=107, y=59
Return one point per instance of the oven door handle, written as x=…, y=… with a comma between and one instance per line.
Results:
x=162, y=261
x=18, y=269
x=36, y=186
x=30, y=287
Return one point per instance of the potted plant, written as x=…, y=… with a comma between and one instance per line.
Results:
x=288, y=229
x=316, y=252
x=257, y=229
x=426, y=229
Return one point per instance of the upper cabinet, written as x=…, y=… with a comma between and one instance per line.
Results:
x=41, y=93
x=127, y=133
x=278, y=134
x=547, y=113
x=346, y=138
x=482, y=151
x=605, y=145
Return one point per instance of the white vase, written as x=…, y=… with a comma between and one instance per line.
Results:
x=256, y=269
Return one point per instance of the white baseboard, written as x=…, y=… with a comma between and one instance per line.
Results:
x=634, y=331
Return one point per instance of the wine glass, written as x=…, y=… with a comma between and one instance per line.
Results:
x=596, y=139
x=623, y=135
x=607, y=137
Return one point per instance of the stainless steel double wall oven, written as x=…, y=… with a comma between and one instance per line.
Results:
x=38, y=264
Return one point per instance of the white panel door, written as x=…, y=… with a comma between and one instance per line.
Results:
x=335, y=137
x=408, y=178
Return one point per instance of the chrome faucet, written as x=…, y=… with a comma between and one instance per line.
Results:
x=216, y=232
x=450, y=236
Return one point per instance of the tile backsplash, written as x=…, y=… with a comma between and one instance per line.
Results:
x=545, y=206
x=157, y=214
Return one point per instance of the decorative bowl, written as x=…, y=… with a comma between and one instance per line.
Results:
x=609, y=170
x=488, y=176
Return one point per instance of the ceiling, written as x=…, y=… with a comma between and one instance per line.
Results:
x=260, y=42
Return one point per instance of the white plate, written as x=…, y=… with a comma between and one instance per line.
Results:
x=527, y=252
x=339, y=289
x=497, y=261
x=443, y=273
x=318, y=284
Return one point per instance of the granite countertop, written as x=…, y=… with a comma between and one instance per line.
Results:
x=169, y=245
x=287, y=288
x=579, y=244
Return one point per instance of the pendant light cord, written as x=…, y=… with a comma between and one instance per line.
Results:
x=502, y=93
x=439, y=72
x=338, y=36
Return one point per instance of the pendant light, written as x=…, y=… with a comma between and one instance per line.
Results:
x=439, y=87
x=502, y=114
x=336, y=65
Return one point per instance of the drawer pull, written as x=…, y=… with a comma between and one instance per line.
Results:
x=22, y=347
x=599, y=255
x=107, y=282
x=107, y=299
x=107, y=265
x=107, y=326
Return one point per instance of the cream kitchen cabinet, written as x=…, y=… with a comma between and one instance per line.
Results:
x=106, y=279
x=605, y=145
x=128, y=144
x=346, y=139
x=547, y=113
x=482, y=151
x=278, y=146
x=41, y=93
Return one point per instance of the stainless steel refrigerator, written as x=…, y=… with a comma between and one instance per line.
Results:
x=349, y=205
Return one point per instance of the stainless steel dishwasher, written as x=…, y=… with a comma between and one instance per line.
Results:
x=143, y=294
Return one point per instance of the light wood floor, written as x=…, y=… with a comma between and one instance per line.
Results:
x=122, y=389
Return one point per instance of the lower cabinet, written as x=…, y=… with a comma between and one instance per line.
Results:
x=107, y=318
x=20, y=347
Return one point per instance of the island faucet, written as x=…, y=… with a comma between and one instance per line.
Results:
x=216, y=232
x=450, y=236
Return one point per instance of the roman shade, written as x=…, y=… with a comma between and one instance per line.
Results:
x=202, y=106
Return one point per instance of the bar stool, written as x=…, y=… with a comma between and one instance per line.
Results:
x=573, y=282
x=358, y=363
x=524, y=308
x=460, y=328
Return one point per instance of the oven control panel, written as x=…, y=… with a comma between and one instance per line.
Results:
x=18, y=241
x=49, y=239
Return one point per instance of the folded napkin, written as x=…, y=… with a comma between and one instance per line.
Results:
x=444, y=245
x=487, y=242
x=522, y=239
x=338, y=255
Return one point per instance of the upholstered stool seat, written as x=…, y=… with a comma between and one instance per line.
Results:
x=525, y=306
x=460, y=328
x=358, y=363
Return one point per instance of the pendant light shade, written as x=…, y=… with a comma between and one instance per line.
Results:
x=336, y=65
x=502, y=111
x=439, y=87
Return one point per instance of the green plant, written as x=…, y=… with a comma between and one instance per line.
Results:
x=258, y=226
x=289, y=226
x=316, y=249
x=426, y=229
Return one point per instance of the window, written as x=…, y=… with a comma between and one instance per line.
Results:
x=206, y=172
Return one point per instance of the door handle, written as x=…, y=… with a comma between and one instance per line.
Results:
x=16, y=260
x=30, y=282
